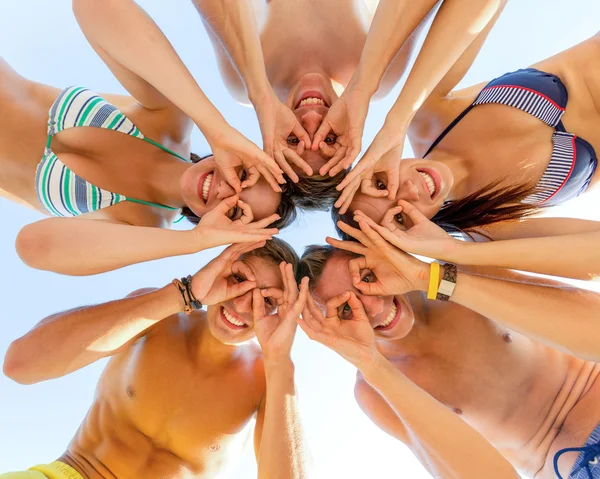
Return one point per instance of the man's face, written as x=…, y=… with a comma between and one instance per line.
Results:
x=310, y=100
x=231, y=321
x=203, y=187
x=391, y=317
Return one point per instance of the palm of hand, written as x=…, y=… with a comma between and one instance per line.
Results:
x=353, y=339
x=273, y=338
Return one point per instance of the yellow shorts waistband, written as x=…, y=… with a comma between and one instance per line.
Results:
x=57, y=470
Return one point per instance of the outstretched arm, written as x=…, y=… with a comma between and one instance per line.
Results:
x=279, y=442
x=444, y=444
x=81, y=247
x=86, y=335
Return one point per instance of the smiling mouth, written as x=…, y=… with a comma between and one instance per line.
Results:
x=206, y=186
x=311, y=98
x=429, y=182
x=231, y=321
x=392, y=318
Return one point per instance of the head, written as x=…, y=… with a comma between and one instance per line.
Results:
x=327, y=268
x=264, y=263
x=203, y=186
x=310, y=99
x=427, y=184
x=313, y=193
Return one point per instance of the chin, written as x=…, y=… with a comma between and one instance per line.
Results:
x=404, y=324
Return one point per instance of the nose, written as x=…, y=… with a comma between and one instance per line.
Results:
x=224, y=190
x=243, y=304
x=408, y=191
x=311, y=121
x=373, y=305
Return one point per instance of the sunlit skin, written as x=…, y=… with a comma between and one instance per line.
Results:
x=527, y=399
x=262, y=199
x=412, y=188
x=176, y=403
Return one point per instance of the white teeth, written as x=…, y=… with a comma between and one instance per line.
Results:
x=231, y=319
x=311, y=101
x=429, y=181
x=390, y=317
x=206, y=186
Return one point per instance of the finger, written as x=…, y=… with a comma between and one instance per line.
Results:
x=252, y=178
x=309, y=319
x=297, y=160
x=321, y=134
x=345, y=199
x=285, y=166
x=355, y=233
x=412, y=212
x=272, y=292
x=313, y=333
x=262, y=159
x=231, y=176
x=331, y=308
x=367, y=187
x=378, y=242
x=327, y=150
x=247, y=247
x=393, y=177
x=355, y=266
x=247, y=216
x=358, y=310
x=286, y=284
x=389, y=218
x=351, y=246
x=258, y=305
x=352, y=176
x=270, y=178
x=239, y=267
x=314, y=311
x=228, y=203
x=301, y=133
x=342, y=161
x=332, y=166
x=292, y=284
x=266, y=222
x=300, y=301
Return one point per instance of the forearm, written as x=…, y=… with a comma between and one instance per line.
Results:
x=234, y=24
x=282, y=452
x=456, y=25
x=570, y=256
x=392, y=25
x=128, y=35
x=68, y=341
x=446, y=445
x=563, y=317
x=81, y=247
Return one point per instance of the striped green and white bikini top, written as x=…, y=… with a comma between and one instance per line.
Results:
x=59, y=189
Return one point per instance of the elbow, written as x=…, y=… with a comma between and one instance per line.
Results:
x=33, y=247
x=16, y=367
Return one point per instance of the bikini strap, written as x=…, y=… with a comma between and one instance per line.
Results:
x=164, y=148
x=448, y=129
x=148, y=203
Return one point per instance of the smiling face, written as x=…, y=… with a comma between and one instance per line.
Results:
x=310, y=100
x=231, y=322
x=424, y=183
x=391, y=317
x=203, y=187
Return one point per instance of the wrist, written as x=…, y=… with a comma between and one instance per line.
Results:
x=213, y=127
x=422, y=282
x=279, y=366
x=372, y=369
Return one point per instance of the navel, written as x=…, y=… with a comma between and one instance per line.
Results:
x=130, y=392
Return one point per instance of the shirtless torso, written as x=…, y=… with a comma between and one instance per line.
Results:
x=160, y=410
x=527, y=399
x=296, y=36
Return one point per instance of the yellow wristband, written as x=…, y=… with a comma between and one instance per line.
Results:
x=434, y=279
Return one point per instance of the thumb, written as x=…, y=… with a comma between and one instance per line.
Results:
x=228, y=203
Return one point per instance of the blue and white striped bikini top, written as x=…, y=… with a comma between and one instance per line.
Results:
x=61, y=191
x=544, y=96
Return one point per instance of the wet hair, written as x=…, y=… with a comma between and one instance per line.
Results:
x=276, y=251
x=286, y=209
x=313, y=262
x=484, y=207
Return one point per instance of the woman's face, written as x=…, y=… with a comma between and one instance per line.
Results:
x=203, y=187
x=424, y=183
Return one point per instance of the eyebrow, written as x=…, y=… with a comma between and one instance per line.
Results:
x=263, y=286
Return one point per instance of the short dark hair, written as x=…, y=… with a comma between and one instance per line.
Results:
x=313, y=262
x=286, y=209
x=484, y=207
x=314, y=193
x=276, y=251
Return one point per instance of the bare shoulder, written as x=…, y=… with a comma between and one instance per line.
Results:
x=378, y=410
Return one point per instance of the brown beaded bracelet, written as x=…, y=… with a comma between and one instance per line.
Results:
x=189, y=300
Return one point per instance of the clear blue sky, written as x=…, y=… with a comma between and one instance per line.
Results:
x=42, y=41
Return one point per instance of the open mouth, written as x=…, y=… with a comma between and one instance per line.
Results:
x=430, y=181
x=310, y=98
x=204, y=185
x=392, y=318
x=231, y=321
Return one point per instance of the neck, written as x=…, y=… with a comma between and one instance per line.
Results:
x=287, y=76
x=209, y=351
x=461, y=171
x=164, y=181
